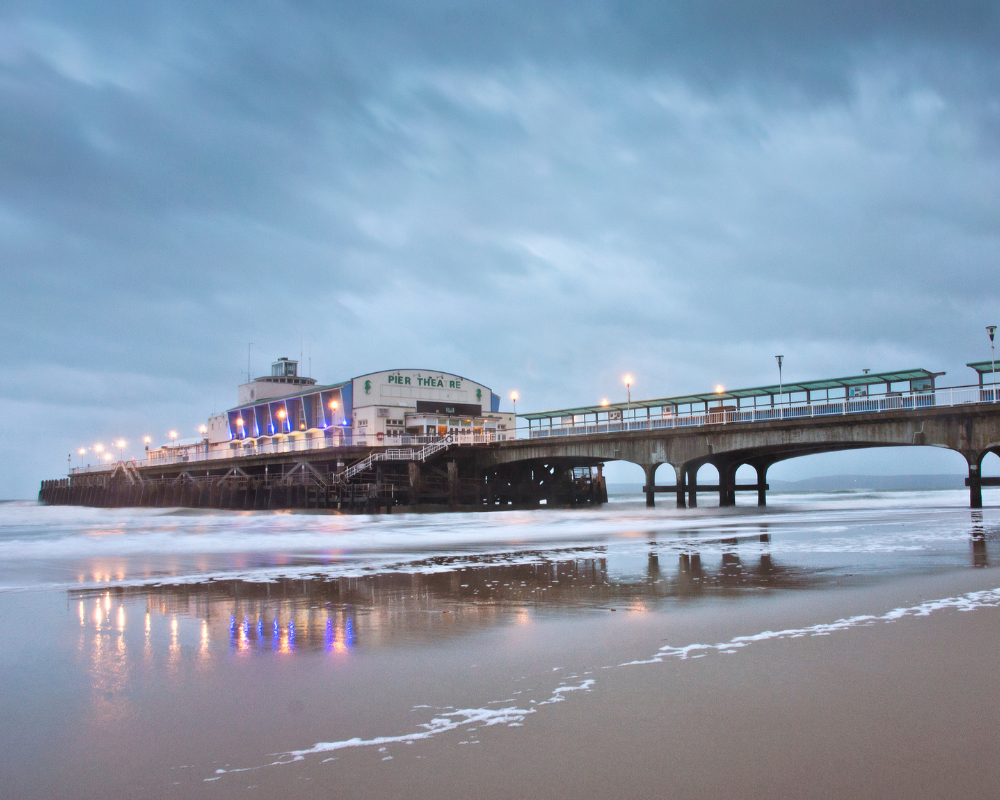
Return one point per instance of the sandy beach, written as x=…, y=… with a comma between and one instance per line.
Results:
x=851, y=681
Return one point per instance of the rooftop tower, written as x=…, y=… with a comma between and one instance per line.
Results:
x=284, y=379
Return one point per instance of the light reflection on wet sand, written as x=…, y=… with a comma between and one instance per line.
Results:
x=124, y=629
x=288, y=615
x=447, y=596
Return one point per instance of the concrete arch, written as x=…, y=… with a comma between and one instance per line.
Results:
x=970, y=430
x=987, y=460
x=687, y=486
x=762, y=462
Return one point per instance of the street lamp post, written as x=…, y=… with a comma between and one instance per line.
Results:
x=779, y=359
x=628, y=387
x=513, y=399
x=991, y=330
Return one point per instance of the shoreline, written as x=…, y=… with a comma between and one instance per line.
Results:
x=784, y=706
x=799, y=654
x=724, y=714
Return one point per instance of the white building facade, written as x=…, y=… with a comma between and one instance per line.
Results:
x=389, y=408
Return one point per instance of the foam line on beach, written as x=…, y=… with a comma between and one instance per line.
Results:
x=354, y=565
x=514, y=716
x=55, y=531
x=511, y=716
x=989, y=598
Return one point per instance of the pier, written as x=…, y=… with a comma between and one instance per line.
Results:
x=558, y=458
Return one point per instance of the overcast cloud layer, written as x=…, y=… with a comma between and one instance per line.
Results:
x=539, y=196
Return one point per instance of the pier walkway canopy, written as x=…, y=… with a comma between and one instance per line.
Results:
x=851, y=388
x=984, y=368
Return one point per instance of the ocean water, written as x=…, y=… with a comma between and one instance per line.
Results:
x=821, y=534
x=123, y=624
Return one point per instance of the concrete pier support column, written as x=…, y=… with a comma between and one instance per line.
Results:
x=679, y=472
x=975, y=481
x=727, y=485
x=692, y=485
x=761, y=482
x=650, y=470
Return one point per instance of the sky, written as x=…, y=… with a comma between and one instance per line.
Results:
x=539, y=196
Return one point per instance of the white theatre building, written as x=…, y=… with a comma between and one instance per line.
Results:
x=393, y=407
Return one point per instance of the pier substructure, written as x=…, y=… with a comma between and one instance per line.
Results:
x=650, y=487
x=727, y=483
x=452, y=480
x=414, y=476
x=691, y=470
x=761, y=465
x=975, y=479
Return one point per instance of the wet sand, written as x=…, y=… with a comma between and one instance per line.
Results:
x=907, y=708
x=503, y=672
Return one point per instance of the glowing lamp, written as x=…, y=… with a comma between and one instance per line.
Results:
x=146, y=439
x=173, y=435
x=514, y=396
x=239, y=422
x=628, y=380
x=719, y=389
x=98, y=447
x=281, y=413
x=202, y=429
x=605, y=402
x=121, y=443
x=333, y=405
x=83, y=451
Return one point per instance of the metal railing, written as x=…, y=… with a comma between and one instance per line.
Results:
x=896, y=401
x=393, y=455
x=245, y=448
x=901, y=401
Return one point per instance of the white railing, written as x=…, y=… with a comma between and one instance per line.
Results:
x=108, y=467
x=391, y=454
x=897, y=401
x=246, y=448
x=901, y=401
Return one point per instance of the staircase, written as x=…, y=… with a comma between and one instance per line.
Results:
x=400, y=454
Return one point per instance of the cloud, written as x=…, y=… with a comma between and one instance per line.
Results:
x=539, y=196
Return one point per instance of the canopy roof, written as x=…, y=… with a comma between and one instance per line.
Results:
x=982, y=367
x=759, y=391
x=314, y=388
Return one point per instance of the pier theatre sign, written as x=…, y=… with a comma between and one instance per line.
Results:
x=432, y=382
x=412, y=385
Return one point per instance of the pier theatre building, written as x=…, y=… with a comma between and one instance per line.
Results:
x=380, y=408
